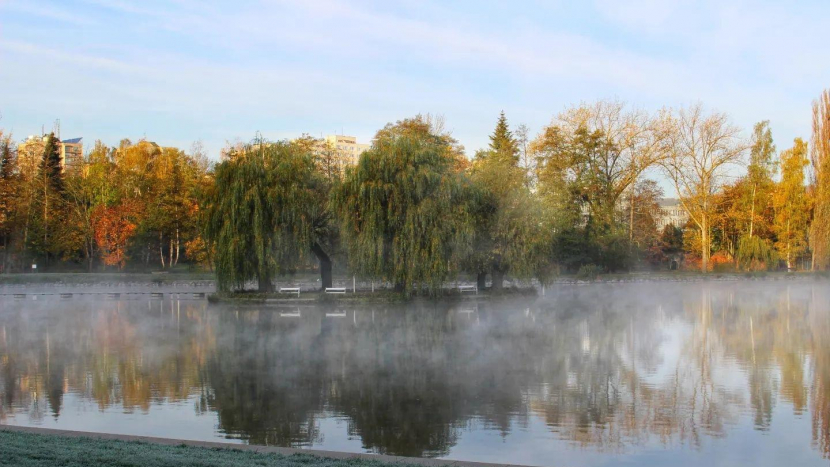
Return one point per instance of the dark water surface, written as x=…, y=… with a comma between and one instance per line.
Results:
x=652, y=374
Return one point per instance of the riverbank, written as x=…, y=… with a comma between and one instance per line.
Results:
x=366, y=292
x=40, y=447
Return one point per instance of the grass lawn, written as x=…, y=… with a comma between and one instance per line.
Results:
x=41, y=450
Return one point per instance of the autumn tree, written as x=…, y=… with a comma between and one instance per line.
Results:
x=113, y=228
x=791, y=204
x=820, y=165
x=603, y=148
x=642, y=204
x=699, y=147
x=9, y=196
x=403, y=207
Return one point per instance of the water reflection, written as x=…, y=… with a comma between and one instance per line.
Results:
x=609, y=370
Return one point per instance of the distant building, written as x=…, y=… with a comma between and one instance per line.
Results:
x=671, y=212
x=30, y=153
x=72, y=153
x=347, y=146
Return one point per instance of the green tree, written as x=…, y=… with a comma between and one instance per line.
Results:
x=404, y=207
x=49, y=201
x=502, y=142
x=258, y=214
x=510, y=233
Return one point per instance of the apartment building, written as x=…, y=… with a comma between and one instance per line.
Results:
x=30, y=153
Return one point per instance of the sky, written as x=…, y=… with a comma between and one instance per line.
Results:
x=179, y=71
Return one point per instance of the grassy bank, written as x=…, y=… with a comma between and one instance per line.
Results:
x=103, y=278
x=362, y=296
x=41, y=450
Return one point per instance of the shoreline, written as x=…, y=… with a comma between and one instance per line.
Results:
x=202, y=286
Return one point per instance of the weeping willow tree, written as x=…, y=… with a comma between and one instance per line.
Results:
x=260, y=214
x=404, y=208
x=756, y=253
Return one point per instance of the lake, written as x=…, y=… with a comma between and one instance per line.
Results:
x=606, y=374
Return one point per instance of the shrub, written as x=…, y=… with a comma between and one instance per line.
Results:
x=588, y=272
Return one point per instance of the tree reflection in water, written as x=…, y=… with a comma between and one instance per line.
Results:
x=603, y=367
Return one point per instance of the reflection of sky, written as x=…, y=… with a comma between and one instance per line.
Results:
x=164, y=419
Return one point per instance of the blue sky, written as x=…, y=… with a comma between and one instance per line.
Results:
x=184, y=70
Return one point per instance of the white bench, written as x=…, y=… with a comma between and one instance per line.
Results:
x=341, y=314
x=294, y=314
x=295, y=290
x=468, y=288
x=336, y=290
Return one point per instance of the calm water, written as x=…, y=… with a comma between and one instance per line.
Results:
x=597, y=375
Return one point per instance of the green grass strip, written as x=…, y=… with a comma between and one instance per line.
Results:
x=41, y=450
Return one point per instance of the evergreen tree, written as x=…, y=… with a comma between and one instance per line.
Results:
x=50, y=167
x=502, y=142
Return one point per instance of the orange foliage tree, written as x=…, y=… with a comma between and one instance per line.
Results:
x=114, y=226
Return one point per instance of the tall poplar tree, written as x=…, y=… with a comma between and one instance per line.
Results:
x=820, y=161
x=791, y=205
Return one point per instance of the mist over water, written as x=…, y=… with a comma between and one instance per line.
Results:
x=656, y=373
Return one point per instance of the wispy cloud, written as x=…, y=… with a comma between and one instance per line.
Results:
x=217, y=70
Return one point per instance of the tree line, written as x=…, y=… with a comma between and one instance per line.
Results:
x=415, y=211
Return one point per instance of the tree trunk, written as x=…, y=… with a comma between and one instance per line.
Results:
x=498, y=279
x=161, y=250
x=752, y=213
x=481, y=280
x=264, y=284
x=704, y=246
x=325, y=265
x=178, y=245
x=631, y=221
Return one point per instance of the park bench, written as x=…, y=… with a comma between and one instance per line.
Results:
x=295, y=290
x=468, y=288
x=292, y=314
x=341, y=314
x=336, y=290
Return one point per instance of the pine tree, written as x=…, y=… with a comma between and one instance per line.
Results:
x=50, y=166
x=502, y=142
